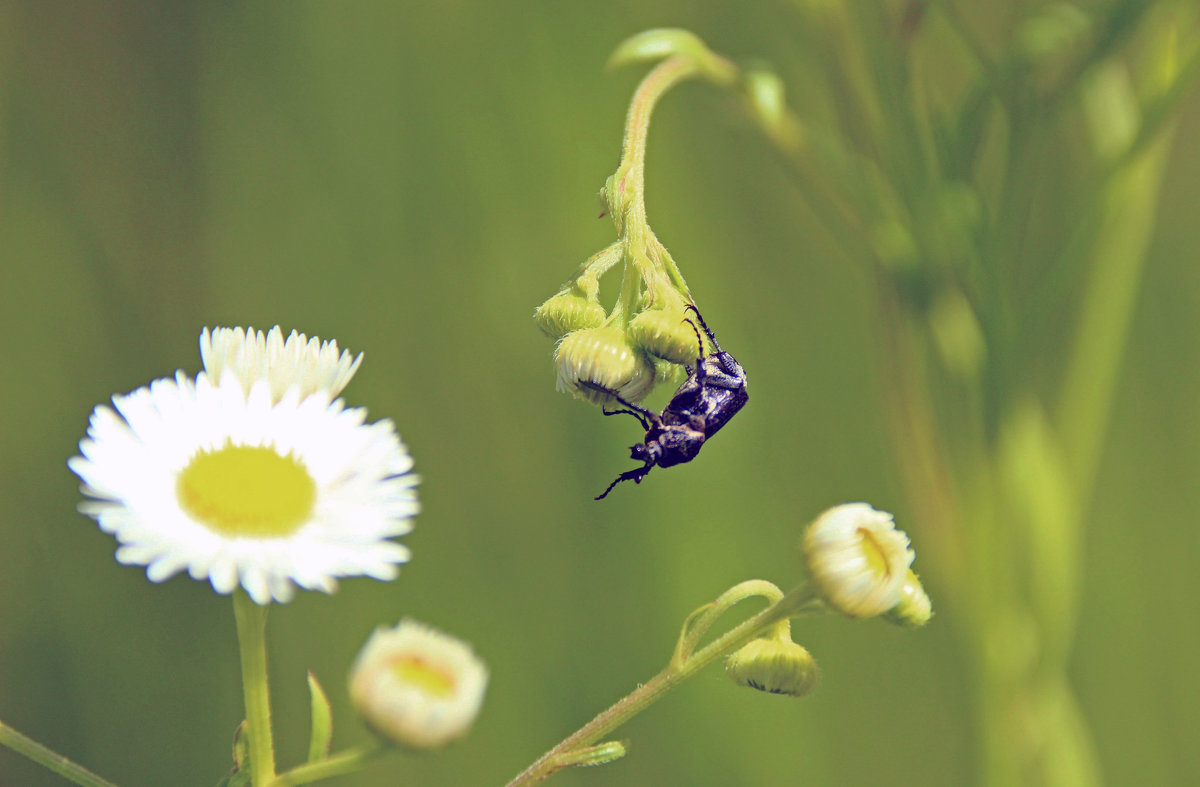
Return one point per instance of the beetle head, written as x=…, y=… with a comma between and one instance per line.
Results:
x=646, y=452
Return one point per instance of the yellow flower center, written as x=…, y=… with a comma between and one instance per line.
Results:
x=873, y=551
x=418, y=672
x=248, y=491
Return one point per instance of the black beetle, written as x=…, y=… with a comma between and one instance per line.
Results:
x=712, y=394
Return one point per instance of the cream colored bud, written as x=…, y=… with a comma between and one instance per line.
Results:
x=417, y=687
x=567, y=312
x=666, y=334
x=857, y=559
x=595, y=360
x=776, y=666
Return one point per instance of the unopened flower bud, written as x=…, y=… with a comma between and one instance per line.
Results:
x=666, y=334
x=567, y=312
x=595, y=360
x=915, y=609
x=776, y=666
x=669, y=375
x=857, y=559
x=417, y=687
x=957, y=335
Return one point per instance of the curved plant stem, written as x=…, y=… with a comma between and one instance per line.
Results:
x=793, y=603
x=643, y=252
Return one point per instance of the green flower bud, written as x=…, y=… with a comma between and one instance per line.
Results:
x=567, y=312
x=957, y=334
x=776, y=666
x=602, y=358
x=664, y=333
x=767, y=102
x=915, y=609
x=1055, y=30
x=673, y=42
x=669, y=375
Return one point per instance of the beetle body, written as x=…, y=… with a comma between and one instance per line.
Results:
x=714, y=392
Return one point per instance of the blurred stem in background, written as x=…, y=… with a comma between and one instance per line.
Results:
x=1007, y=252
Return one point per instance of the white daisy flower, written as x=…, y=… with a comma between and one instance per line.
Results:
x=240, y=485
x=417, y=687
x=857, y=559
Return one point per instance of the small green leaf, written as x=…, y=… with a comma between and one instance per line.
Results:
x=658, y=44
x=592, y=755
x=235, y=778
x=239, y=775
x=322, y=721
x=241, y=748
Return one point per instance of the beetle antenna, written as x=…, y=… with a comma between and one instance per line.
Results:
x=699, y=342
x=712, y=336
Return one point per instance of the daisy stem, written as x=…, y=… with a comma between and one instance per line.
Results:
x=49, y=759
x=798, y=601
x=252, y=641
x=344, y=762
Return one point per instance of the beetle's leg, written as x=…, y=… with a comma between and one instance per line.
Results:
x=648, y=415
x=641, y=419
x=636, y=475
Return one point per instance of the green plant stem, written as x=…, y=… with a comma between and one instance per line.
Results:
x=1127, y=212
x=653, y=87
x=252, y=642
x=699, y=622
x=345, y=762
x=793, y=603
x=49, y=759
x=629, y=182
x=1165, y=108
x=922, y=457
x=643, y=252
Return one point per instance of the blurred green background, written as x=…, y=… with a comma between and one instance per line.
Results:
x=413, y=179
